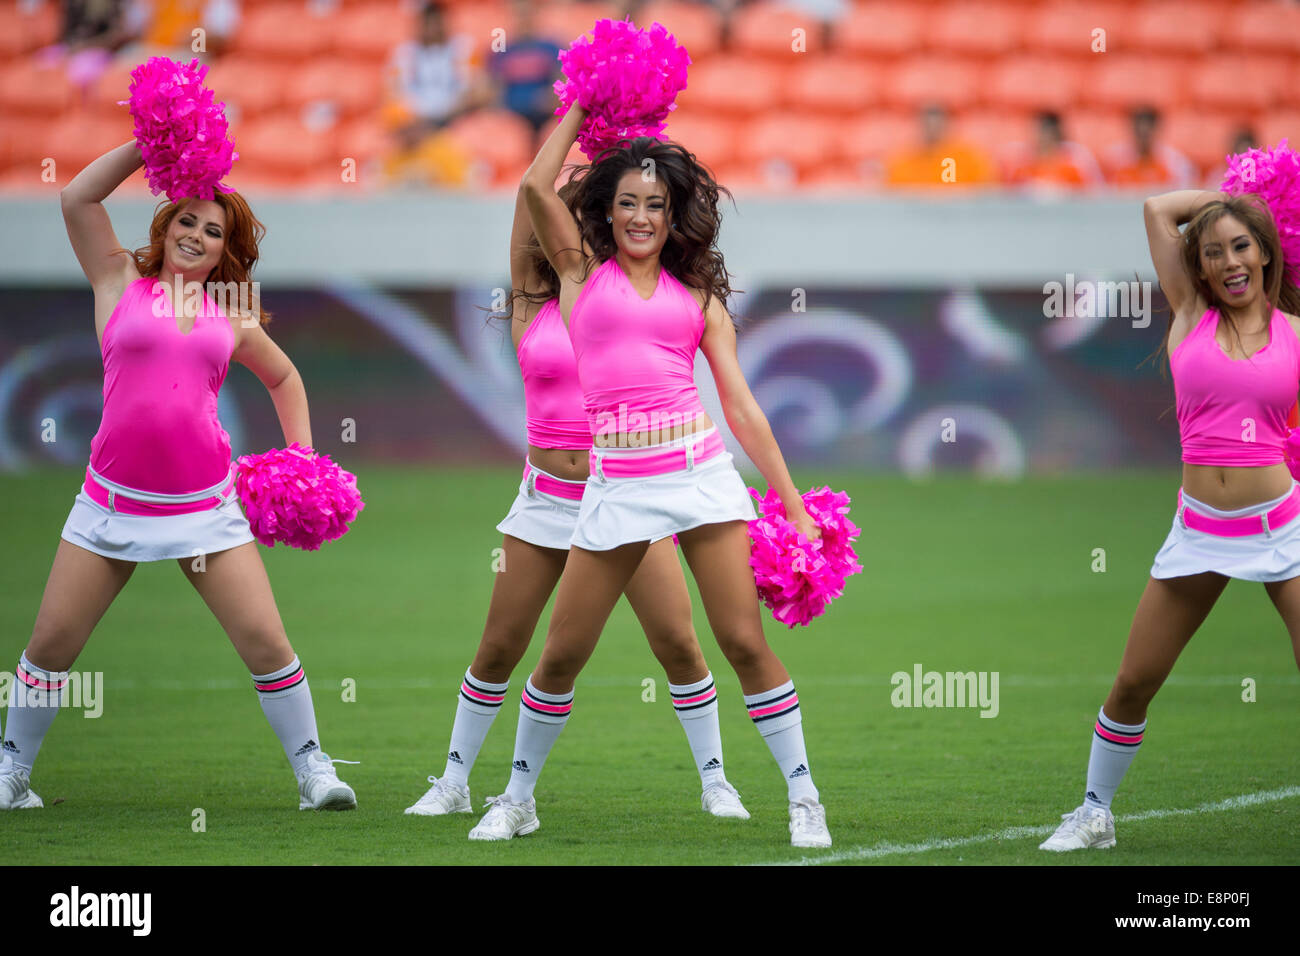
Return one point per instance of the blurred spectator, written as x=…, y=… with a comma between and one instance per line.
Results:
x=172, y=24
x=1146, y=162
x=1055, y=163
x=523, y=73
x=938, y=150
x=435, y=80
x=1242, y=140
x=93, y=30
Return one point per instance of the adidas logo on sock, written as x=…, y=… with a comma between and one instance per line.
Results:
x=713, y=764
x=307, y=748
x=521, y=766
x=1093, y=796
x=799, y=771
x=10, y=748
x=454, y=757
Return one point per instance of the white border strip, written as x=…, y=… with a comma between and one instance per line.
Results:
x=1021, y=833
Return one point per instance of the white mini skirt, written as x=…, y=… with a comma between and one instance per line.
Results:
x=155, y=538
x=619, y=511
x=545, y=520
x=1269, y=556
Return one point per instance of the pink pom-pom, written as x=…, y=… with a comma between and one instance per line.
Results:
x=798, y=578
x=625, y=78
x=1291, y=452
x=1274, y=176
x=181, y=132
x=292, y=497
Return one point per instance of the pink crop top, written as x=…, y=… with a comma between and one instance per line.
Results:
x=636, y=357
x=552, y=395
x=1234, y=412
x=160, y=431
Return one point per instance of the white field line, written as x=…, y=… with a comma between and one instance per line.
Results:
x=881, y=850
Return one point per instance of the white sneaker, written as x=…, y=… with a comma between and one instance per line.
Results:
x=506, y=819
x=808, y=824
x=320, y=788
x=721, y=800
x=441, y=799
x=1087, y=827
x=15, y=793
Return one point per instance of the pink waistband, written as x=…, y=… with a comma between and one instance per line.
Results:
x=1245, y=525
x=122, y=503
x=550, y=485
x=619, y=463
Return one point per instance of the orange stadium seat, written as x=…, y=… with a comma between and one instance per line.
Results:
x=1203, y=136
x=375, y=29
x=1034, y=82
x=29, y=91
x=1099, y=129
x=74, y=141
x=731, y=84
x=874, y=136
x=280, y=146
x=500, y=139
x=991, y=129
x=883, y=28
x=771, y=28
x=833, y=83
x=1272, y=27
x=804, y=142
x=715, y=140
x=25, y=30
x=1239, y=82
x=363, y=139
x=112, y=85
x=698, y=27
x=1124, y=81
x=1181, y=26
x=934, y=78
x=249, y=86
x=565, y=22
x=478, y=20
x=1068, y=27
x=285, y=30
x=976, y=29
x=1279, y=125
x=353, y=87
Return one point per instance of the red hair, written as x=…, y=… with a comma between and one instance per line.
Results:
x=238, y=257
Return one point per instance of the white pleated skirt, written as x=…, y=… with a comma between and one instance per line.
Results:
x=540, y=518
x=1271, y=556
x=619, y=511
x=155, y=537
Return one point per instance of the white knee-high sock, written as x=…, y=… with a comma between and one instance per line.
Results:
x=1114, y=745
x=541, y=718
x=33, y=705
x=776, y=715
x=476, y=707
x=286, y=701
x=697, y=709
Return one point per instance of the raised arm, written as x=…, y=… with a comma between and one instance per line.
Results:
x=259, y=354
x=557, y=231
x=745, y=418
x=89, y=228
x=1163, y=215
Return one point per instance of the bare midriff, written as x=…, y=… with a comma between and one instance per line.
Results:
x=1229, y=488
x=644, y=439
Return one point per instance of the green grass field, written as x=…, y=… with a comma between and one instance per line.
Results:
x=959, y=576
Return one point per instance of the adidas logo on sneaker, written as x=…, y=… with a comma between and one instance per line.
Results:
x=799, y=771
x=10, y=748
x=713, y=764
x=307, y=748
x=454, y=757
x=521, y=766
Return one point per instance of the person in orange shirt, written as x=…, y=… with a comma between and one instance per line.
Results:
x=1146, y=162
x=1055, y=163
x=939, y=159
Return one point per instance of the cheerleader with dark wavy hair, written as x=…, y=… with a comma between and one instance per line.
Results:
x=160, y=483
x=642, y=288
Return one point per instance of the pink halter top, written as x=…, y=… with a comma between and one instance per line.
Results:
x=552, y=395
x=160, y=432
x=1234, y=412
x=636, y=357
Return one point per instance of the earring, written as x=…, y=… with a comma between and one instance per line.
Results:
x=609, y=219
